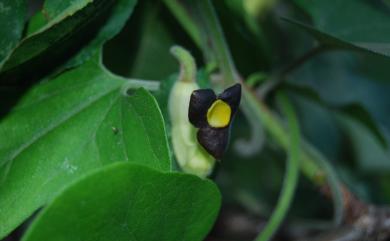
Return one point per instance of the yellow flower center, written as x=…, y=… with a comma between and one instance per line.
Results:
x=218, y=115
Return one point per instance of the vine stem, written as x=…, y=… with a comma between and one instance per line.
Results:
x=292, y=172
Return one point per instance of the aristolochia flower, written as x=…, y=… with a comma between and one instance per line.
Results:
x=213, y=116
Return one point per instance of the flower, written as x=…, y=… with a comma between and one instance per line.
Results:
x=213, y=116
x=191, y=157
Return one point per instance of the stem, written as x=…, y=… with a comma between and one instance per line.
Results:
x=279, y=77
x=178, y=9
x=150, y=85
x=301, y=60
x=292, y=172
x=215, y=38
x=313, y=165
x=274, y=127
x=187, y=64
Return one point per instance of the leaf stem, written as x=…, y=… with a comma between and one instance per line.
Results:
x=129, y=83
x=150, y=85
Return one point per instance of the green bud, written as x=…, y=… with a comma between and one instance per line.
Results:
x=190, y=155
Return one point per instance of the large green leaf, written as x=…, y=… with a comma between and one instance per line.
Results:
x=12, y=17
x=69, y=125
x=129, y=202
x=356, y=24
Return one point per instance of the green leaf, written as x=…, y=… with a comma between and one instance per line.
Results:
x=58, y=8
x=118, y=17
x=359, y=113
x=12, y=17
x=146, y=35
x=354, y=110
x=331, y=75
x=62, y=26
x=351, y=24
x=51, y=37
x=129, y=202
x=370, y=155
x=69, y=125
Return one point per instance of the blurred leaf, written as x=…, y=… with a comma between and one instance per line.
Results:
x=370, y=155
x=149, y=33
x=69, y=125
x=245, y=37
x=360, y=114
x=342, y=79
x=257, y=8
x=129, y=202
x=355, y=110
x=351, y=24
x=318, y=126
x=12, y=18
x=327, y=129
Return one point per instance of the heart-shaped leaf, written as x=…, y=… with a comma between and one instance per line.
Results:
x=129, y=202
x=69, y=125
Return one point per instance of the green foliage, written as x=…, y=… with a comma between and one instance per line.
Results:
x=85, y=131
x=57, y=27
x=136, y=203
x=12, y=16
x=340, y=24
x=69, y=125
